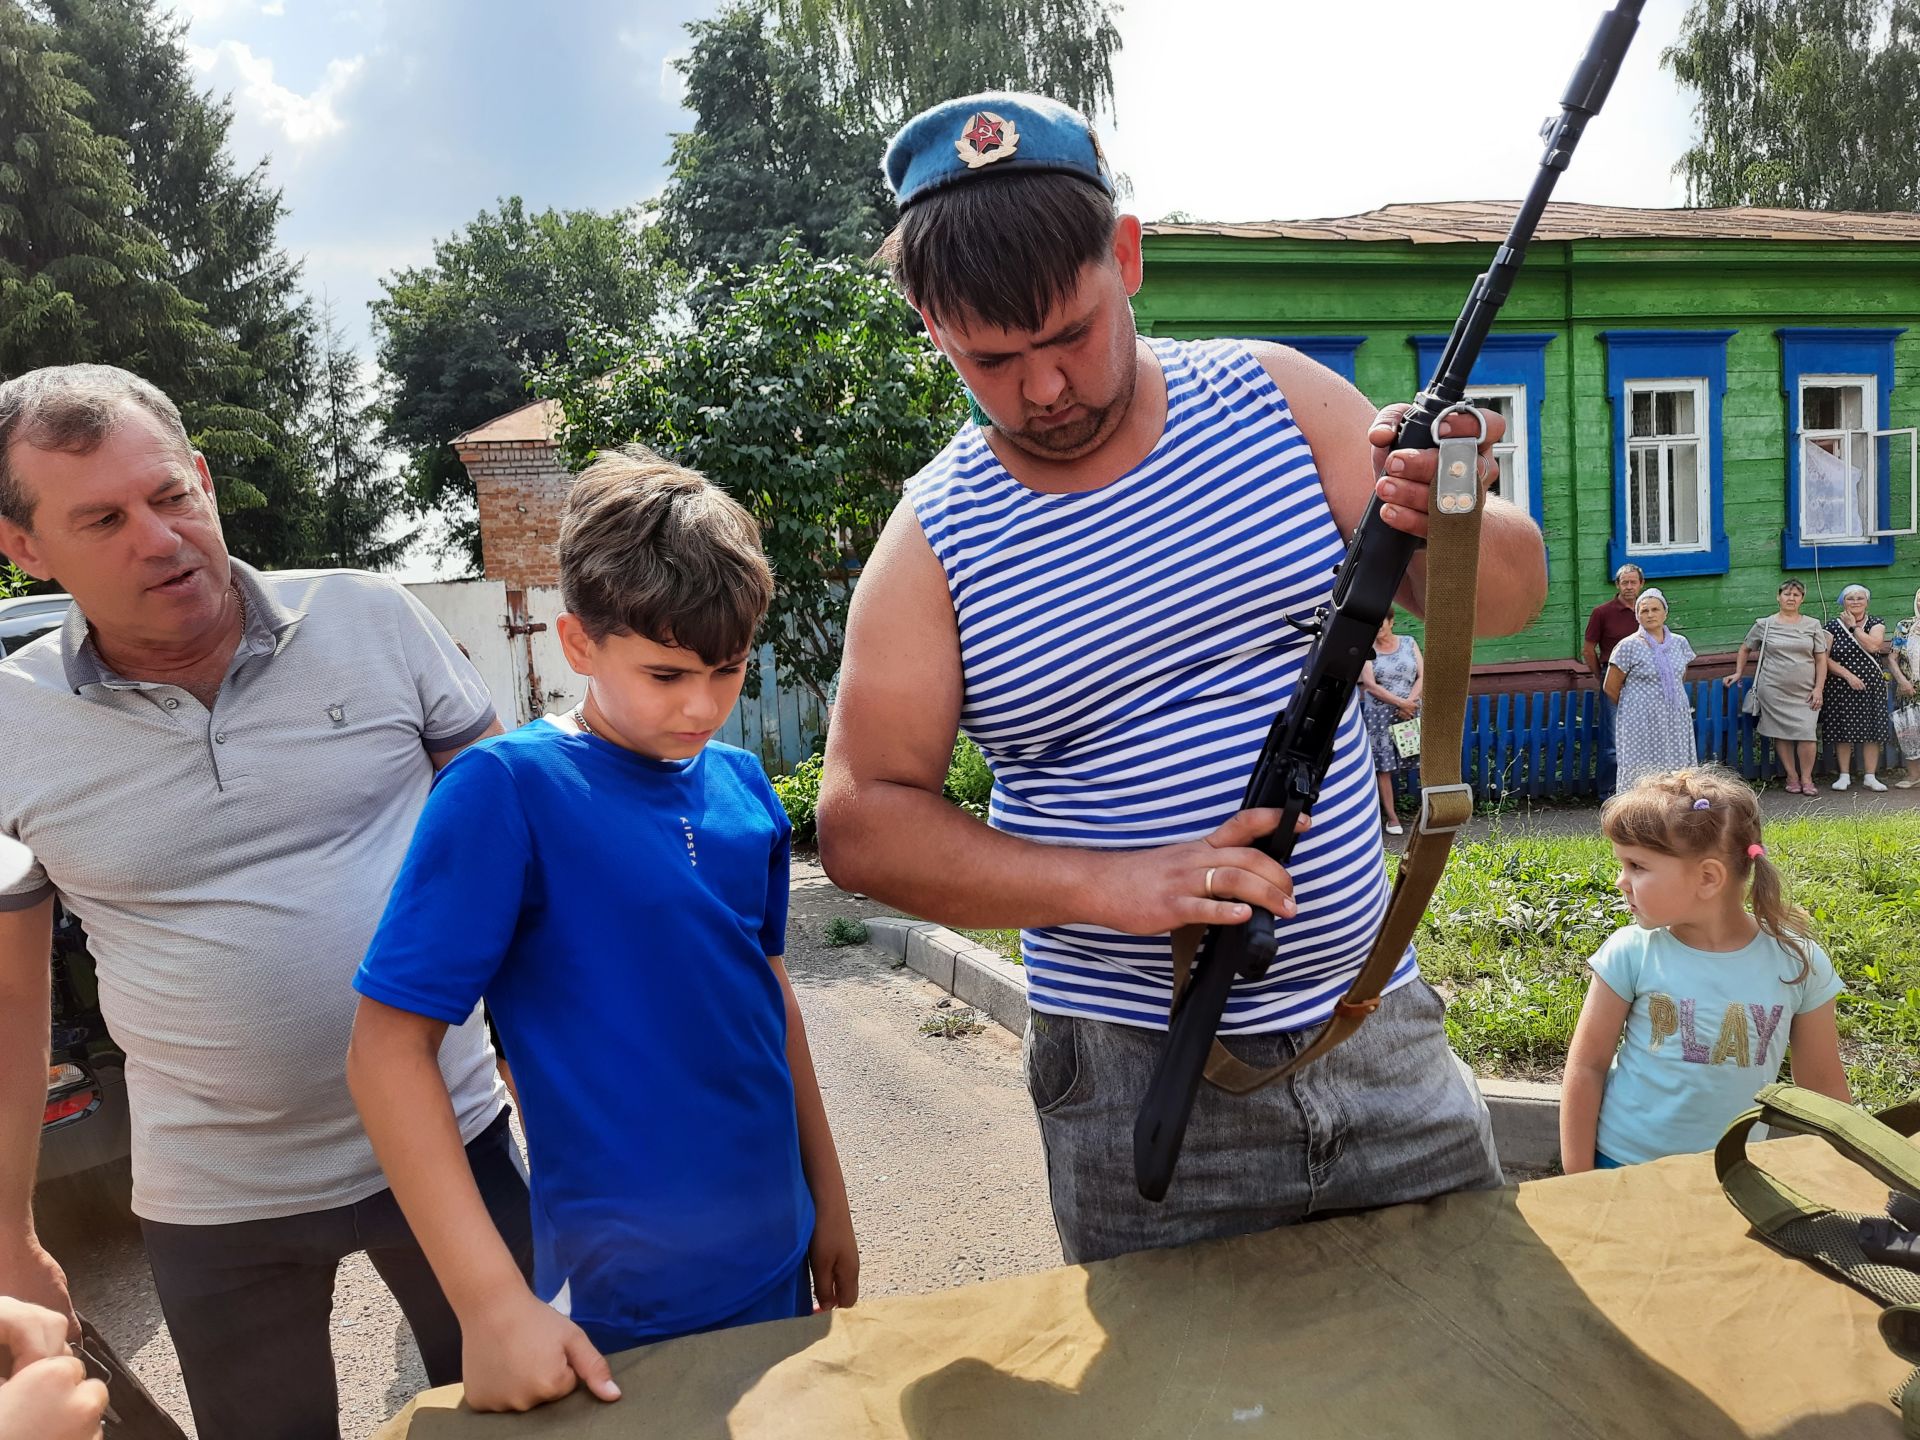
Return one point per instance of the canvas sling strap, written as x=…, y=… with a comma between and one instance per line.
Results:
x=1830, y=1238
x=1453, y=569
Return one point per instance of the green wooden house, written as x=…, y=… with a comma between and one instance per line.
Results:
x=1723, y=397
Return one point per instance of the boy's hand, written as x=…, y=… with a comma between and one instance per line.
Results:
x=29, y=1333
x=523, y=1353
x=52, y=1400
x=834, y=1257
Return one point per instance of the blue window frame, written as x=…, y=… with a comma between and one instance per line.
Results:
x=1668, y=500
x=1507, y=363
x=1856, y=365
x=1336, y=352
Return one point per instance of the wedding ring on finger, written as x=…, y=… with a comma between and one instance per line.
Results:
x=1206, y=884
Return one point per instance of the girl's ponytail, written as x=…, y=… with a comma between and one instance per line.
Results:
x=1779, y=916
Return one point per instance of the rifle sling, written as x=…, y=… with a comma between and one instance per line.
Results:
x=1453, y=560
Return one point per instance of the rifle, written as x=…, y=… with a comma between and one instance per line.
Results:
x=1299, y=745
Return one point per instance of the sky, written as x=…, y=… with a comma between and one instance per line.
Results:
x=390, y=123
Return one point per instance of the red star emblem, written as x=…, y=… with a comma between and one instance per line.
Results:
x=985, y=134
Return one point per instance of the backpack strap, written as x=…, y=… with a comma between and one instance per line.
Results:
x=1790, y=1222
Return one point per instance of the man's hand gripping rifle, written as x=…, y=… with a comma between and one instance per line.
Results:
x=1299, y=746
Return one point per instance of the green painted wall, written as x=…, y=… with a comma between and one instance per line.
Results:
x=1205, y=286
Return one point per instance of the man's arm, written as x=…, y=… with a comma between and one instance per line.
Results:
x=441, y=757
x=27, y=1272
x=1338, y=421
x=887, y=831
x=518, y=1353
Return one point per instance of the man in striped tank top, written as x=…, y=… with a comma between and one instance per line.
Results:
x=1092, y=582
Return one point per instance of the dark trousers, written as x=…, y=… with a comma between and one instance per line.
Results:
x=249, y=1305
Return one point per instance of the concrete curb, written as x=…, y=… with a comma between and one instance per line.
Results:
x=1526, y=1116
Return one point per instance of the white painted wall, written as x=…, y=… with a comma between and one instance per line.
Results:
x=475, y=613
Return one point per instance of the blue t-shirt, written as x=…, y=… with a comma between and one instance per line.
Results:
x=1706, y=1031
x=617, y=913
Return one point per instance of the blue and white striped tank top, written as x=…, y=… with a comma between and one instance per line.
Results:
x=1124, y=653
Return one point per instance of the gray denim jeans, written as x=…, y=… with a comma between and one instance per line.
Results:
x=1392, y=1115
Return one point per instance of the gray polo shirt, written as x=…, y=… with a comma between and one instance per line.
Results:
x=230, y=868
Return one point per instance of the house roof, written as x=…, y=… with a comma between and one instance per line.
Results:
x=536, y=422
x=1486, y=221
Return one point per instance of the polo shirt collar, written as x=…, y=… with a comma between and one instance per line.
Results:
x=268, y=625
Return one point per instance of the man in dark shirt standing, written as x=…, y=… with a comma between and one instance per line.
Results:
x=1610, y=623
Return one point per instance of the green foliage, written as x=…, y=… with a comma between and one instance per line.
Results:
x=769, y=156
x=952, y=1024
x=799, y=792
x=809, y=395
x=1811, y=104
x=843, y=931
x=1514, y=921
x=13, y=580
x=359, y=496
x=969, y=781
x=458, y=338
x=894, y=58
x=215, y=317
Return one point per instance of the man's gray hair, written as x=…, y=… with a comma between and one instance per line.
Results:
x=71, y=409
x=1621, y=573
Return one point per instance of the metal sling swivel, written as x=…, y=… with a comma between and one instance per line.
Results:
x=1299, y=745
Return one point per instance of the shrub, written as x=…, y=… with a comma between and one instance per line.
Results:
x=799, y=792
x=969, y=781
x=842, y=931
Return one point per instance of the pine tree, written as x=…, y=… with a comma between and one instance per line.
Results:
x=244, y=401
x=80, y=277
x=360, y=496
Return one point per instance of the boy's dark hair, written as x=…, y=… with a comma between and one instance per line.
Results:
x=1002, y=249
x=650, y=548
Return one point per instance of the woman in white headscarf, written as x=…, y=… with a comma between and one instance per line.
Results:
x=1653, y=728
x=1855, y=712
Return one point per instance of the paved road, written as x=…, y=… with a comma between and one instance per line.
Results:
x=937, y=1138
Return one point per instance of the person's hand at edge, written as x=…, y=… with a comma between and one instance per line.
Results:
x=522, y=1353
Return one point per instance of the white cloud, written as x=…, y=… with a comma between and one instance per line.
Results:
x=673, y=85
x=302, y=119
x=274, y=7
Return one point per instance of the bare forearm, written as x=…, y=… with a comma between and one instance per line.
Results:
x=819, y=1157
x=1513, y=573
x=403, y=1101
x=26, y=979
x=956, y=870
x=1580, y=1091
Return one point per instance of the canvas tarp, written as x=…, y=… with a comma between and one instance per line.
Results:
x=1623, y=1303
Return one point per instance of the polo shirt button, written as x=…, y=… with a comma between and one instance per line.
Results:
x=220, y=737
x=171, y=703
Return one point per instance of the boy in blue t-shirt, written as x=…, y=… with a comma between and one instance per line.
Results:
x=616, y=889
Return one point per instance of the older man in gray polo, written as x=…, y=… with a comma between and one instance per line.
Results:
x=218, y=771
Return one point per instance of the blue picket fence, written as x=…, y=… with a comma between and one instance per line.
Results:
x=1546, y=745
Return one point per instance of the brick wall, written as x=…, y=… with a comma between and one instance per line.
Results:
x=522, y=489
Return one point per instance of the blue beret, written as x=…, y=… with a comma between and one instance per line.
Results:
x=998, y=133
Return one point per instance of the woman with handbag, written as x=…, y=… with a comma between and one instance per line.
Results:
x=1653, y=725
x=1789, y=682
x=1389, y=702
x=1855, y=712
x=1906, y=680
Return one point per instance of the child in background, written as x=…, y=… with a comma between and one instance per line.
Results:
x=1714, y=981
x=615, y=887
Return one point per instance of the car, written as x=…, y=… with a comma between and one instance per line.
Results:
x=28, y=617
x=84, y=1131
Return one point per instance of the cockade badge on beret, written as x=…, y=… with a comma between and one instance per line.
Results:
x=987, y=138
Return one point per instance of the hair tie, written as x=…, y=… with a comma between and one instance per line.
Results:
x=1703, y=804
x=1755, y=851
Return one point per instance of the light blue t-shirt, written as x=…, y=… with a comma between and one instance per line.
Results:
x=1706, y=1031
x=617, y=913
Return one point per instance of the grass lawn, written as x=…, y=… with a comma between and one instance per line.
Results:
x=1510, y=930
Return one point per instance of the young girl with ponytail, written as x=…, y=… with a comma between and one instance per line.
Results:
x=1714, y=981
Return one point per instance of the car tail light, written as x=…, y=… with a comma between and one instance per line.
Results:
x=70, y=1093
